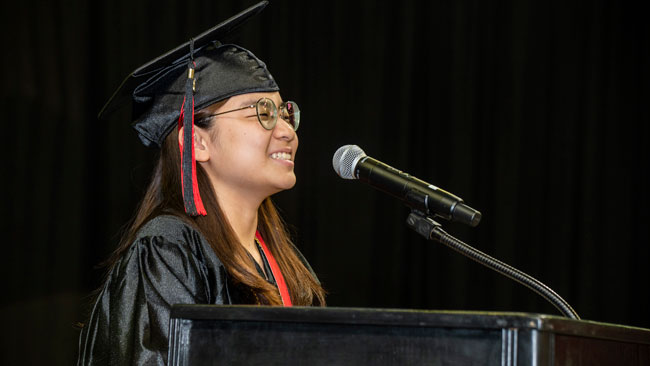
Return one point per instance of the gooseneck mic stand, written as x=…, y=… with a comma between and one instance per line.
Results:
x=432, y=230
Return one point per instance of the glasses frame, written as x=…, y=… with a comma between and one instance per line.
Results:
x=276, y=109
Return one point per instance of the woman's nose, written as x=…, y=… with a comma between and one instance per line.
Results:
x=283, y=130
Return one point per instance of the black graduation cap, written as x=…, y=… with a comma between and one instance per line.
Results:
x=166, y=91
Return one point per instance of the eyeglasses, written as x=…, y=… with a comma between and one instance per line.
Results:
x=267, y=113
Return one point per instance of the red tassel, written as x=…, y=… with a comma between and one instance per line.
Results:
x=191, y=199
x=198, y=203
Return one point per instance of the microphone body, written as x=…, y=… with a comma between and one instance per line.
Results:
x=350, y=162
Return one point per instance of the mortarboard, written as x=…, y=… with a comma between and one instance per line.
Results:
x=166, y=91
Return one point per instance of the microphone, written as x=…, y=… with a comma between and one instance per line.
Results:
x=350, y=162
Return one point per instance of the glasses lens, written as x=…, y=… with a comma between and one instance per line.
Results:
x=267, y=113
x=290, y=112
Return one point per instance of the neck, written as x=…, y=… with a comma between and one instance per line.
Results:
x=241, y=211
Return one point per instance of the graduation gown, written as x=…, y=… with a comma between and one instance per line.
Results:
x=169, y=263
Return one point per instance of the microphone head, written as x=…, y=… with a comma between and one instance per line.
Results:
x=345, y=160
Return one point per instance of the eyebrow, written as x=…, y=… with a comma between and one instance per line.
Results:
x=247, y=103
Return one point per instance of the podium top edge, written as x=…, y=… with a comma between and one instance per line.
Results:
x=413, y=318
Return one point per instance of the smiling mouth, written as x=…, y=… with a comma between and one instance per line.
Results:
x=281, y=156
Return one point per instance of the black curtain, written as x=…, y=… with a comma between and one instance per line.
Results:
x=534, y=112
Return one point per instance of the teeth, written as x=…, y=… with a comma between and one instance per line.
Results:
x=281, y=156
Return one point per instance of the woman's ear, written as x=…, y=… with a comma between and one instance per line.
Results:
x=201, y=153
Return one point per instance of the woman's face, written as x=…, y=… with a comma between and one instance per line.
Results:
x=245, y=156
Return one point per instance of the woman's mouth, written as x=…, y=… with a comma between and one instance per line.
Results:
x=281, y=156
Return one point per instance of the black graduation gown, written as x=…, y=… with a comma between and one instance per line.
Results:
x=169, y=263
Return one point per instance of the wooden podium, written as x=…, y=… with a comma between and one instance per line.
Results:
x=248, y=335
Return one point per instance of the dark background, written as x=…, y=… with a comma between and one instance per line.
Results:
x=534, y=112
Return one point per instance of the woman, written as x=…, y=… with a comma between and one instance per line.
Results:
x=206, y=231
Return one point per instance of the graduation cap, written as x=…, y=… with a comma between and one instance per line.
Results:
x=166, y=91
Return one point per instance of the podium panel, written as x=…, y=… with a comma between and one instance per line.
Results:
x=249, y=335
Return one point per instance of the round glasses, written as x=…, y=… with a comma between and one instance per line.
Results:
x=267, y=113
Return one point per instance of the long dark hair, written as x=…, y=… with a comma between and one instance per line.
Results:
x=164, y=196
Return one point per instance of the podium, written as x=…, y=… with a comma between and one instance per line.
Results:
x=250, y=335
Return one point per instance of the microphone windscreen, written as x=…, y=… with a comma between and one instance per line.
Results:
x=345, y=160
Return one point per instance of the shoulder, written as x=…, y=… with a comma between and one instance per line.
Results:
x=168, y=226
x=169, y=242
x=171, y=231
x=169, y=254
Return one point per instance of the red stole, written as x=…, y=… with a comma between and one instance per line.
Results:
x=279, y=279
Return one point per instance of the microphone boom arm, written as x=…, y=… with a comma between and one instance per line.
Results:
x=432, y=230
